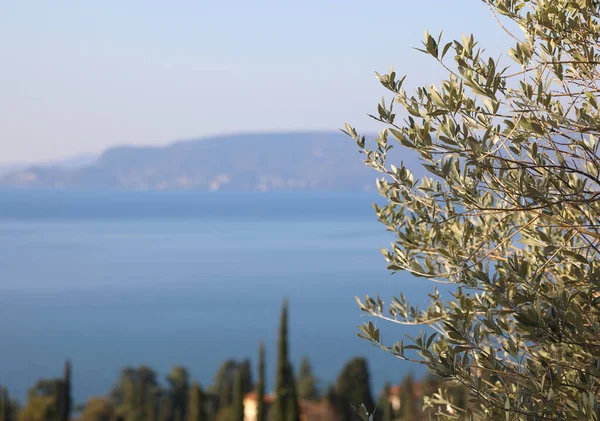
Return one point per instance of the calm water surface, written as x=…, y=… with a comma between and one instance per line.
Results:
x=116, y=278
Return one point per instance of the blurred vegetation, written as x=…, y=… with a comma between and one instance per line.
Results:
x=139, y=395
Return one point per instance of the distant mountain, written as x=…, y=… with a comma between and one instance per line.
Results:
x=262, y=162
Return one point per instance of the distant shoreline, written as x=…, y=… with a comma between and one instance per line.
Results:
x=279, y=161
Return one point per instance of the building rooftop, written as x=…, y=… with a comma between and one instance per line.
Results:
x=251, y=396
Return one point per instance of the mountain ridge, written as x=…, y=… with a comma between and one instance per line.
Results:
x=291, y=160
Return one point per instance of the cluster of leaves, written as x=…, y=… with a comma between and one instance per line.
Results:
x=405, y=401
x=509, y=214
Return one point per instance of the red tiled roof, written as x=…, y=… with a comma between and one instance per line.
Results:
x=309, y=408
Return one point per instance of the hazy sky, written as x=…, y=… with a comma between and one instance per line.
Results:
x=79, y=76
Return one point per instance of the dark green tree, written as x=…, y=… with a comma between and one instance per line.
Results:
x=223, y=383
x=164, y=413
x=430, y=385
x=196, y=405
x=211, y=406
x=226, y=414
x=143, y=376
x=459, y=395
x=408, y=407
x=52, y=391
x=66, y=401
x=238, y=401
x=151, y=406
x=179, y=389
x=116, y=394
x=245, y=368
x=260, y=386
x=39, y=408
x=293, y=407
x=385, y=406
x=5, y=414
x=138, y=394
x=307, y=383
x=279, y=412
x=353, y=387
x=133, y=408
x=98, y=409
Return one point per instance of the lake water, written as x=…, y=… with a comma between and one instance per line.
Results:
x=112, y=278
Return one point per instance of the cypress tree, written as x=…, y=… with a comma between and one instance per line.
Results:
x=246, y=372
x=260, y=387
x=223, y=383
x=238, y=401
x=353, y=387
x=9, y=407
x=293, y=408
x=196, y=404
x=67, y=403
x=58, y=395
x=307, y=383
x=408, y=409
x=179, y=390
x=279, y=411
x=128, y=399
x=4, y=404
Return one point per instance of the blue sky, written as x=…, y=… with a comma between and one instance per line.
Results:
x=81, y=76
